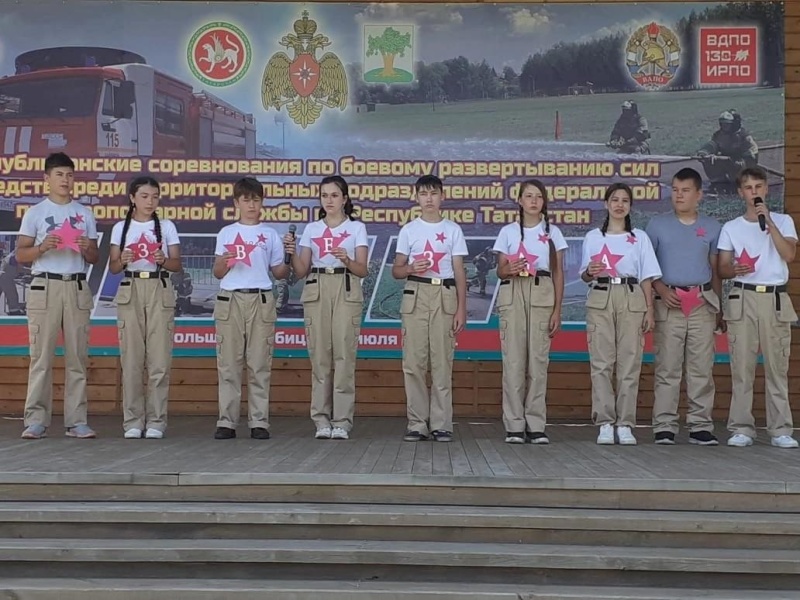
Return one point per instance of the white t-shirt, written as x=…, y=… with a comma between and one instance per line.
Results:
x=536, y=247
x=749, y=244
x=624, y=255
x=141, y=239
x=43, y=219
x=437, y=242
x=259, y=245
x=322, y=239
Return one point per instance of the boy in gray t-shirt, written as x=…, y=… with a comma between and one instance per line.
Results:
x=687, y=312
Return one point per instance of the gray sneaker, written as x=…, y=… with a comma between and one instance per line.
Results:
x=34, y=432
x=83, y=432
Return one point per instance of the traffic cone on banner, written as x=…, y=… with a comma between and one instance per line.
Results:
x=558, y=126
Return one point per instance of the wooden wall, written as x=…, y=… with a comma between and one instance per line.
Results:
x=477, y=384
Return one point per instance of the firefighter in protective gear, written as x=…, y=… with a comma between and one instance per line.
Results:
x=730, y=149
x=630, y=133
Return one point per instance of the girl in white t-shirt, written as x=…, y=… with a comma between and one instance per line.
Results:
x=530, y=256
x=145, y=248
x=333, y=254
x=619, y=265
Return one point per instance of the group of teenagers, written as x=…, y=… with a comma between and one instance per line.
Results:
x=667, y=279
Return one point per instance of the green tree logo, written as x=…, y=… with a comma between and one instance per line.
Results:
x=390, y=45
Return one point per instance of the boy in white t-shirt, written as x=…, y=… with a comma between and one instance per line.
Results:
x=755, y=251
x=59, y=236
x=244, y=312
x=430, y=256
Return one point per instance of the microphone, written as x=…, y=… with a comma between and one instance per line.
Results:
x=761, y=220
x=287, y=258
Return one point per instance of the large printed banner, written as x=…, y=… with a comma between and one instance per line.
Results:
x=485, y=96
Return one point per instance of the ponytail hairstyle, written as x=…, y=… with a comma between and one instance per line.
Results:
x=133, y=187
x=539, y=186
x=339, y=182
x=614, y=187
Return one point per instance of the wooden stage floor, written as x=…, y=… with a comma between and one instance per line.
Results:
x=377, y=452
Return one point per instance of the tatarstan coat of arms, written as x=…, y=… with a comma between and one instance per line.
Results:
x=304, y=84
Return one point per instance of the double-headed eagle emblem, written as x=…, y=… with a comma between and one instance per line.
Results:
x=304, y=84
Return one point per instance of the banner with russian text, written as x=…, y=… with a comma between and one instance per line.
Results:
x=484, y=96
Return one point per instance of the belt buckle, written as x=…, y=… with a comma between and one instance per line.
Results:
x=524, y=273
x=144, y=275
x=615, y=280
x=66, y=278
x=330, y=270
x=436, y=281
x=761, y=289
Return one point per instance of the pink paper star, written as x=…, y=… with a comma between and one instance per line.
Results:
x=143, y=249
x=262, y=238
x=608, y=259
x=700, y=232
x=530, y=259
x=431, y=255
x=326, y=242
x=544, y=238
x=69, y=236
x=441, y=237
x=241, y=250
x=689, y=300
x=745, y=259
x=631, y=239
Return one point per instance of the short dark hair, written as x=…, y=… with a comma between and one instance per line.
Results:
x=56, y=160
x=686, y=174
x=751, y=173
x=248, y=186
x=429, y=182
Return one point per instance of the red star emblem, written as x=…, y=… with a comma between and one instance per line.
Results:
x=79, y=219
x=609, y=260
x=431, y=255
x=544, y=238
x=262, y=239
x=745, y=259
x=241, y=251
x=689, y=300
x=700, y=232
x=327, y=242
x=441, y=237
x=631, y=239
x=343, y=236
x=530, y=259
x=69, y=236
x=143, y=249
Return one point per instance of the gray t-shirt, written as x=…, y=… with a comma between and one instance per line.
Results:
x=683, y=250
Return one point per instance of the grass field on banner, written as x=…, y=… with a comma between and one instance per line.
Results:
x=680, y=122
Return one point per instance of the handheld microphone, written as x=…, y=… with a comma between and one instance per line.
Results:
x=761, y=220
x=287, y=258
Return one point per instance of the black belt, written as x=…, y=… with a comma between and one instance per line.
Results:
x=534, y=274
x=147, y=274
x=63, y=277
x=618, y=280
x=705, y=287
x=252, y=291
x=433, y=280
x=330, y=270
x=761, y=289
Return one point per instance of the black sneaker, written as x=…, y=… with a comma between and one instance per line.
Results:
x=513, y=437
x=259, y=433
x=224, y=433
x=665, y=438
x=703, y=438
x=440, y=435
x=537, y=437
x=414, y=436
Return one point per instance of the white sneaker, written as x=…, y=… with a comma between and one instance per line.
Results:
x=133, y=434
x=625, y=436
x=740, y=440
x=606, y=436
x=153, y=434
x=323, y=433
x=785, y=441
x=337, y=433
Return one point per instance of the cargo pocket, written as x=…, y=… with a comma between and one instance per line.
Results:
x=35, y=341
x=734, y=306
x=357, y=331
x=124, y=292
x=267, y=307
x=353, y=292
x=121, y=335
x=85, y=298
x=636, y=300
x=660, y=309
x=449, y=300
x=505, y=295
x=590, y=329
x=37, y=295
x=222, y=307
x=409, y=300
x=310, y=291
x=168, y=297
x=598, y=297
x=711, y=298
x=543, y=295
x=787, y=313
x=309, y=337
